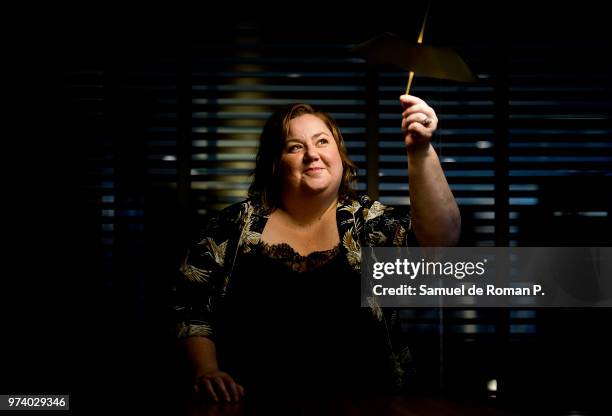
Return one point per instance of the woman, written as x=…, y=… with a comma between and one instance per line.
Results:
x=270, y=297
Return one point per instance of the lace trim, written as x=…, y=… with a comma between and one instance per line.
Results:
x=294, y=260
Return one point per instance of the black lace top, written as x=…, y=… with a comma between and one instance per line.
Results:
x=295, y=261
x=295, y=322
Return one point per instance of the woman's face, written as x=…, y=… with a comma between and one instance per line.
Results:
x=310, y=161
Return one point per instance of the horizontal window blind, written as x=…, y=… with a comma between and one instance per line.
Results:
x=560, y=146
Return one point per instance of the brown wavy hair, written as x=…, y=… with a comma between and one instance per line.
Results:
x=266, y=184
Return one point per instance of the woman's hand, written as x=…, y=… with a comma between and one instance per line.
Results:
x=218, y=386
x=419, y=122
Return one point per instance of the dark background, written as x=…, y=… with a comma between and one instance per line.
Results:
x=76, y=322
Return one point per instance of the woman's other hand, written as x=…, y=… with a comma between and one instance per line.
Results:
x=419, y=122
x=218, y=386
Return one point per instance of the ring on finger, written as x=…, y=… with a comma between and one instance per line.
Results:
x=426, y=122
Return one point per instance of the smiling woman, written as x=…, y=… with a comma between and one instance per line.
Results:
x=310, y=162
x=290, y=140
x=301, y=229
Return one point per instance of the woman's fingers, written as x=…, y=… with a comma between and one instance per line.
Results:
x=210, y=390
x=419, y=129
x=408, y=100
x=418, y=108
x=416, y=111
x=413, y=121
x=414, y=118
x=233, y=389
x=419, y=122
x=220, y=384
x=425, y=112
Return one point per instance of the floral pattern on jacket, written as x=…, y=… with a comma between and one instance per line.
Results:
x=207, y=268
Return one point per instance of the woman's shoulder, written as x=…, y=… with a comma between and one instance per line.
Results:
x=226, y=220
x=235, y=212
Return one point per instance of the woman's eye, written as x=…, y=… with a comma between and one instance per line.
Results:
x=294, y=148
x=324, y=141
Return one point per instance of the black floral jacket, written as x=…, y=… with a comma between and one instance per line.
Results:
x=207, y=268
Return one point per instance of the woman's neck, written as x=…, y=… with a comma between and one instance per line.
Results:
x=304, y=212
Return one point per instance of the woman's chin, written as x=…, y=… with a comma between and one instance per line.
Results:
x=315, y=190
x=319, y=189
x=315, y=187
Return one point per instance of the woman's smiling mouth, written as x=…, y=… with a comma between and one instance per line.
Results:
x=313, y=170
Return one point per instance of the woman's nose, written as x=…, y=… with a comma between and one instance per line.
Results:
x=312, y=153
